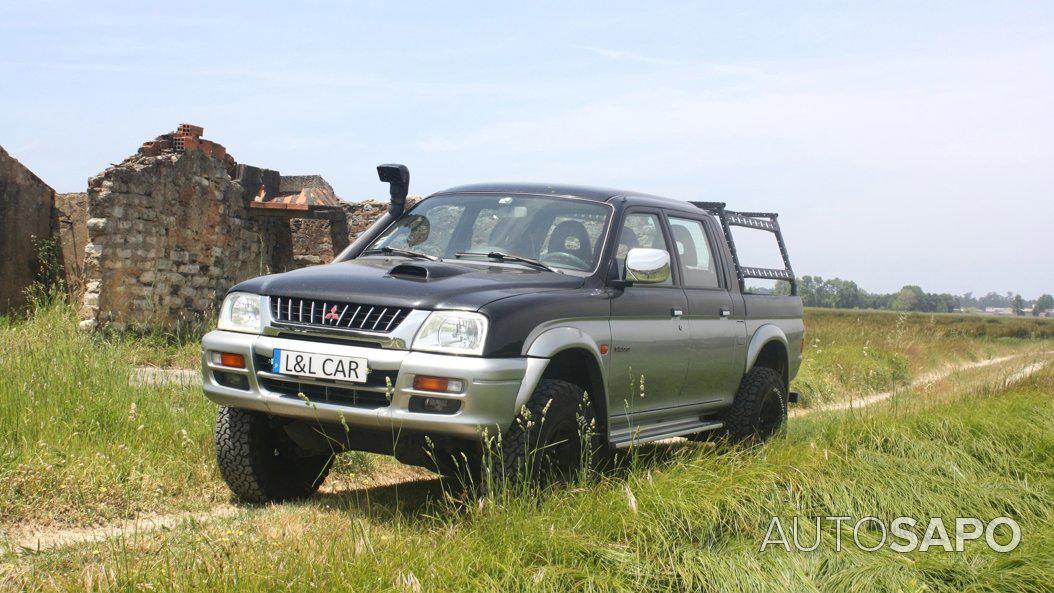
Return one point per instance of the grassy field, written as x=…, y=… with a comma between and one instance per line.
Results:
x=79, y=444
x=82, y=447
x=850, y=352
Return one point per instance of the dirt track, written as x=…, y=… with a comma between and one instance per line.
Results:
x=926, y=379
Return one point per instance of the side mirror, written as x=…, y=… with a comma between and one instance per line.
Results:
x=647, y=266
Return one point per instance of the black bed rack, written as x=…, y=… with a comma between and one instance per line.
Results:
x=765, y=221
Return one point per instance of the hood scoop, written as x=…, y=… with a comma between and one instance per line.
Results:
x=427, y=271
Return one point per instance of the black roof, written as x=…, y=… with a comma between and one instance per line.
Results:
x=597, y=194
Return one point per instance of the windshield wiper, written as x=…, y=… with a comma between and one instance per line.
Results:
x=503, y=257
x=406, y=252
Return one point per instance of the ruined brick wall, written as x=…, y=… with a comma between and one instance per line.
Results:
x=169, y=235
x=295, y=183
x=25, y=219
x=313, y=240
x=69, y=228
x=363, y=214
x=160, y=238
x=312, y=243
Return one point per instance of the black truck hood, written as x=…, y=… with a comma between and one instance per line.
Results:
x=401, y=282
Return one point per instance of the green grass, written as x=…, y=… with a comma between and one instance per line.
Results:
x=158, y=349
x=680, y=518
x=850, y=352
x=80, y=446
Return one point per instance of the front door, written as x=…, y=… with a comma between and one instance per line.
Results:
x=714, y=369
x=648, y=330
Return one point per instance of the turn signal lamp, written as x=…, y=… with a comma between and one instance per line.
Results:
x=438, y=384
x=228, y=359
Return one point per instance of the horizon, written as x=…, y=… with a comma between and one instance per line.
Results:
x=901, y=144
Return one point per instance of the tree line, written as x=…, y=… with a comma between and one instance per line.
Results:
x=846, y=294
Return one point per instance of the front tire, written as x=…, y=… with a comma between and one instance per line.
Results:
x=260, y=463
x=553, y=437
x=760, y=408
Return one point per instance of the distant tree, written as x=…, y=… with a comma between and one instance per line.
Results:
x=844, y=294
x=910, y=298
x=952, y=302
x=808, y=289
x=879, y=301
x=1043, y=303
x=782, y=288
x=993, y=300
x=1017, y=304
x=941, y=303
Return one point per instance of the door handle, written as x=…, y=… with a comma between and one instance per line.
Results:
x=725, y=312
x=676, y=312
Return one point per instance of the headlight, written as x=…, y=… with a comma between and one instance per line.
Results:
x=241, y=313
x=456, y=332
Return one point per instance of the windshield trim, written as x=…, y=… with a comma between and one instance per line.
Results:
x=584, y=273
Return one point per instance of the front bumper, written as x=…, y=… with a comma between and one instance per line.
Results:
x=495, y=388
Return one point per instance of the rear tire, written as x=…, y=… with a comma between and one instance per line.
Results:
x=760, y=408
x=260, y=463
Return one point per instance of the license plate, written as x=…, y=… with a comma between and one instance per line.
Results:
x=320, y=366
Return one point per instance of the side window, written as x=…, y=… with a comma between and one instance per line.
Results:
x=640, y=230
x=697, y=263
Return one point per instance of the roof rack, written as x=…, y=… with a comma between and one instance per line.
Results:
x=764, y=221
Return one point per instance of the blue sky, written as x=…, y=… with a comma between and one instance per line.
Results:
x=903, y=142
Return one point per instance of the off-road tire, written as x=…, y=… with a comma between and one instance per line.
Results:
x=460, y=470
x=260, y=463
x=546, y=440
x=760, y=408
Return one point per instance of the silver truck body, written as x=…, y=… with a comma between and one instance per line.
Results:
x=659, y=361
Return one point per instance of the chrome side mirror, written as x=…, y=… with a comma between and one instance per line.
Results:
x=647, y=266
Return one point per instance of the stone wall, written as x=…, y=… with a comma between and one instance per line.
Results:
x=25, y=220
x=169, y=235
x=313, y=240
x=159, y=239
x=363, y=214
x=69, y=228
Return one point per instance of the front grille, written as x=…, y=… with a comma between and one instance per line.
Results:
x=334, y=315
x=344, y=396
x=339, y=341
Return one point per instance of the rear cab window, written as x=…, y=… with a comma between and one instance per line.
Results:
x=698, y=268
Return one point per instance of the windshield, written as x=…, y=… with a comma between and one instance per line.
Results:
x=560, y=232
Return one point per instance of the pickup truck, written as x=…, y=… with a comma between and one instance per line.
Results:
x=513, y=328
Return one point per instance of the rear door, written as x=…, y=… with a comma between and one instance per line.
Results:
x=648, y=330
x=713, y=370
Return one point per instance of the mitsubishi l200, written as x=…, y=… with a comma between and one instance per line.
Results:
x=498, y=327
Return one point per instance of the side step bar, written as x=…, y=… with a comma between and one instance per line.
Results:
x=638, y=435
